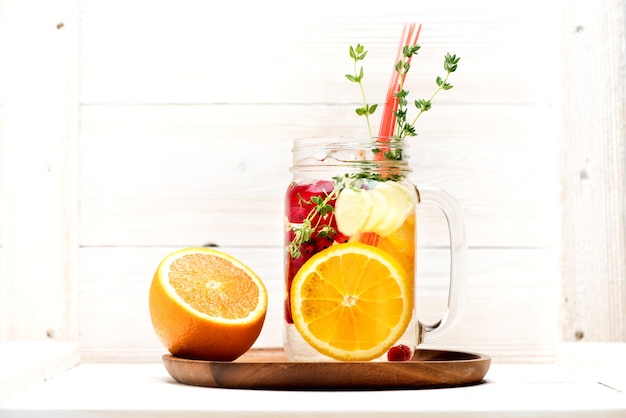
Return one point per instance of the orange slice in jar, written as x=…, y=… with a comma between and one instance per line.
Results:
x=401, y=244
x=352, y=302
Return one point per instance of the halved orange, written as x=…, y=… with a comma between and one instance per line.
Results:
x=351, y=301
x=207, y=305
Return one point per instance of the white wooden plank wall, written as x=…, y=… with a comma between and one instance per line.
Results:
x=594, y=172
x=39, y=169
x=187, y=113
x=187, y=118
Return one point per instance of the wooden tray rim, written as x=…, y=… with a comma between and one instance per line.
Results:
x=269, y=369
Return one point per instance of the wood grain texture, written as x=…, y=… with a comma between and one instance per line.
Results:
x=169, y=124
x=594, y=173
x=509, y=312
x=200, y=160
x=277, y=53
x=39, y=163
x=192, y=169
x=269, y=369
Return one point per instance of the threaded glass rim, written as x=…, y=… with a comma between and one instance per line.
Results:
x=350, y=153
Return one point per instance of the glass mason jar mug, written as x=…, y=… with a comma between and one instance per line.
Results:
x=350, y=247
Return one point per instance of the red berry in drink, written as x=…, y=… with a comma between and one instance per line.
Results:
x=341, y=238
x=300, y=207
x=399, y=353
x=297, y=214
x=308, y=249
x=322, y=242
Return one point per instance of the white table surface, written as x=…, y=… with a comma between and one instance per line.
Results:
x=147, y=390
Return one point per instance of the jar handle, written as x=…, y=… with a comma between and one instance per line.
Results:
x=458, y=264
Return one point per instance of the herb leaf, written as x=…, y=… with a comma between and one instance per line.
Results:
x=358, y=53
x=403, y=127
x=450, y=64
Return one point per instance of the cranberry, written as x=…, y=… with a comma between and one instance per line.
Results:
x=341, y=238
x=308, y=249
x=322, y=242
x=297, y=214
x=399, y=353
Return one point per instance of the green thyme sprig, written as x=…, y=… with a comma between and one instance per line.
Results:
x=403, y=127
x=450, y=64
x=358, y=53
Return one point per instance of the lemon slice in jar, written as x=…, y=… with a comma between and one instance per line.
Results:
x=352, y=209
x=378, y=212
x=400, y=204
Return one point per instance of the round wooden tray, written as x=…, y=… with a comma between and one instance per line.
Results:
x=270, y=369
